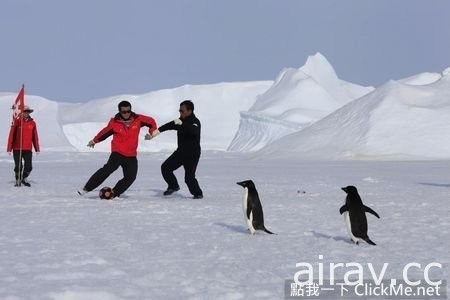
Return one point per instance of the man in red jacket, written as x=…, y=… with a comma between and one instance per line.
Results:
x=22, y=146
x=124, y=128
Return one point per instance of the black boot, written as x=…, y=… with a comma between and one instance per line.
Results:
x=170, y=191
x=25, y=182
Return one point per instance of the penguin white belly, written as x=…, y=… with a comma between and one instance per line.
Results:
x=348, y=224
x=249, y=221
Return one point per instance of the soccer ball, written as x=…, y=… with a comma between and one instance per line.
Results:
x=106, y=193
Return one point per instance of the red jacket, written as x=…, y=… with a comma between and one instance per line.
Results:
x=125, y=138
x=29, y=136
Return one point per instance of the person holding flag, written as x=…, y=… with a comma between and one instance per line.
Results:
x=23, y=136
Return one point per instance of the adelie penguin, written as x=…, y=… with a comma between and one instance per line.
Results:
x=253, y=212
x=355, y=215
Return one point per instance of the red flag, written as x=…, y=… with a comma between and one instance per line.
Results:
x=19, y=104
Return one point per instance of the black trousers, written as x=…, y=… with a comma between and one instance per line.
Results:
x=24, y=165
x=176, y=160
x=129, y=167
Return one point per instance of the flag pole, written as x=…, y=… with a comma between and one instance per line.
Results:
x=21, y=139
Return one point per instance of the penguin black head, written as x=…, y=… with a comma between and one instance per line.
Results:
x=246, y=184
x=353, y=197
x=351, y=190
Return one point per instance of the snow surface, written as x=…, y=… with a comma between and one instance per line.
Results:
x=305, y=113
x=422, y=79
x=57, y=245
x=297, y=98
x=65, y=126
x=399, y=120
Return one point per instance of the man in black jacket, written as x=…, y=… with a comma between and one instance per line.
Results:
x=188, y=152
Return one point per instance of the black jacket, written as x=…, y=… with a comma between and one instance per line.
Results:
x=188, y=134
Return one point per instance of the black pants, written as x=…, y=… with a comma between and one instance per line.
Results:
x=176, y=160
x=25, y=165
x=129, y=166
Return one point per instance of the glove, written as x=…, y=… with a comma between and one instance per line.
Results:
x=155, y=133
x=178, y=121
x=91, y=144
x=149, y=136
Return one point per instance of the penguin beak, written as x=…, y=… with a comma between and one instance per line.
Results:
x=344, y=189
x=242, y=183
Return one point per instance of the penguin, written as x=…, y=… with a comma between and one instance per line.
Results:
x=253, y=212
x=355, y=215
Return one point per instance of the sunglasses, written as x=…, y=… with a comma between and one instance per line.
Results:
x=27, y=111
x=125, y=111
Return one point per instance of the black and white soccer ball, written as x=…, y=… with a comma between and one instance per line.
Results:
x=106, y=193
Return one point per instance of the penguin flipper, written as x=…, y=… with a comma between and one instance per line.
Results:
x=371, y=211
x=343, y=209
x=249, y=211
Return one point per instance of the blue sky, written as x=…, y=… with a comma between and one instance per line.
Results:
x=86, y=49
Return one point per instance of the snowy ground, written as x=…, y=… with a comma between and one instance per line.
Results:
x=57, y=245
